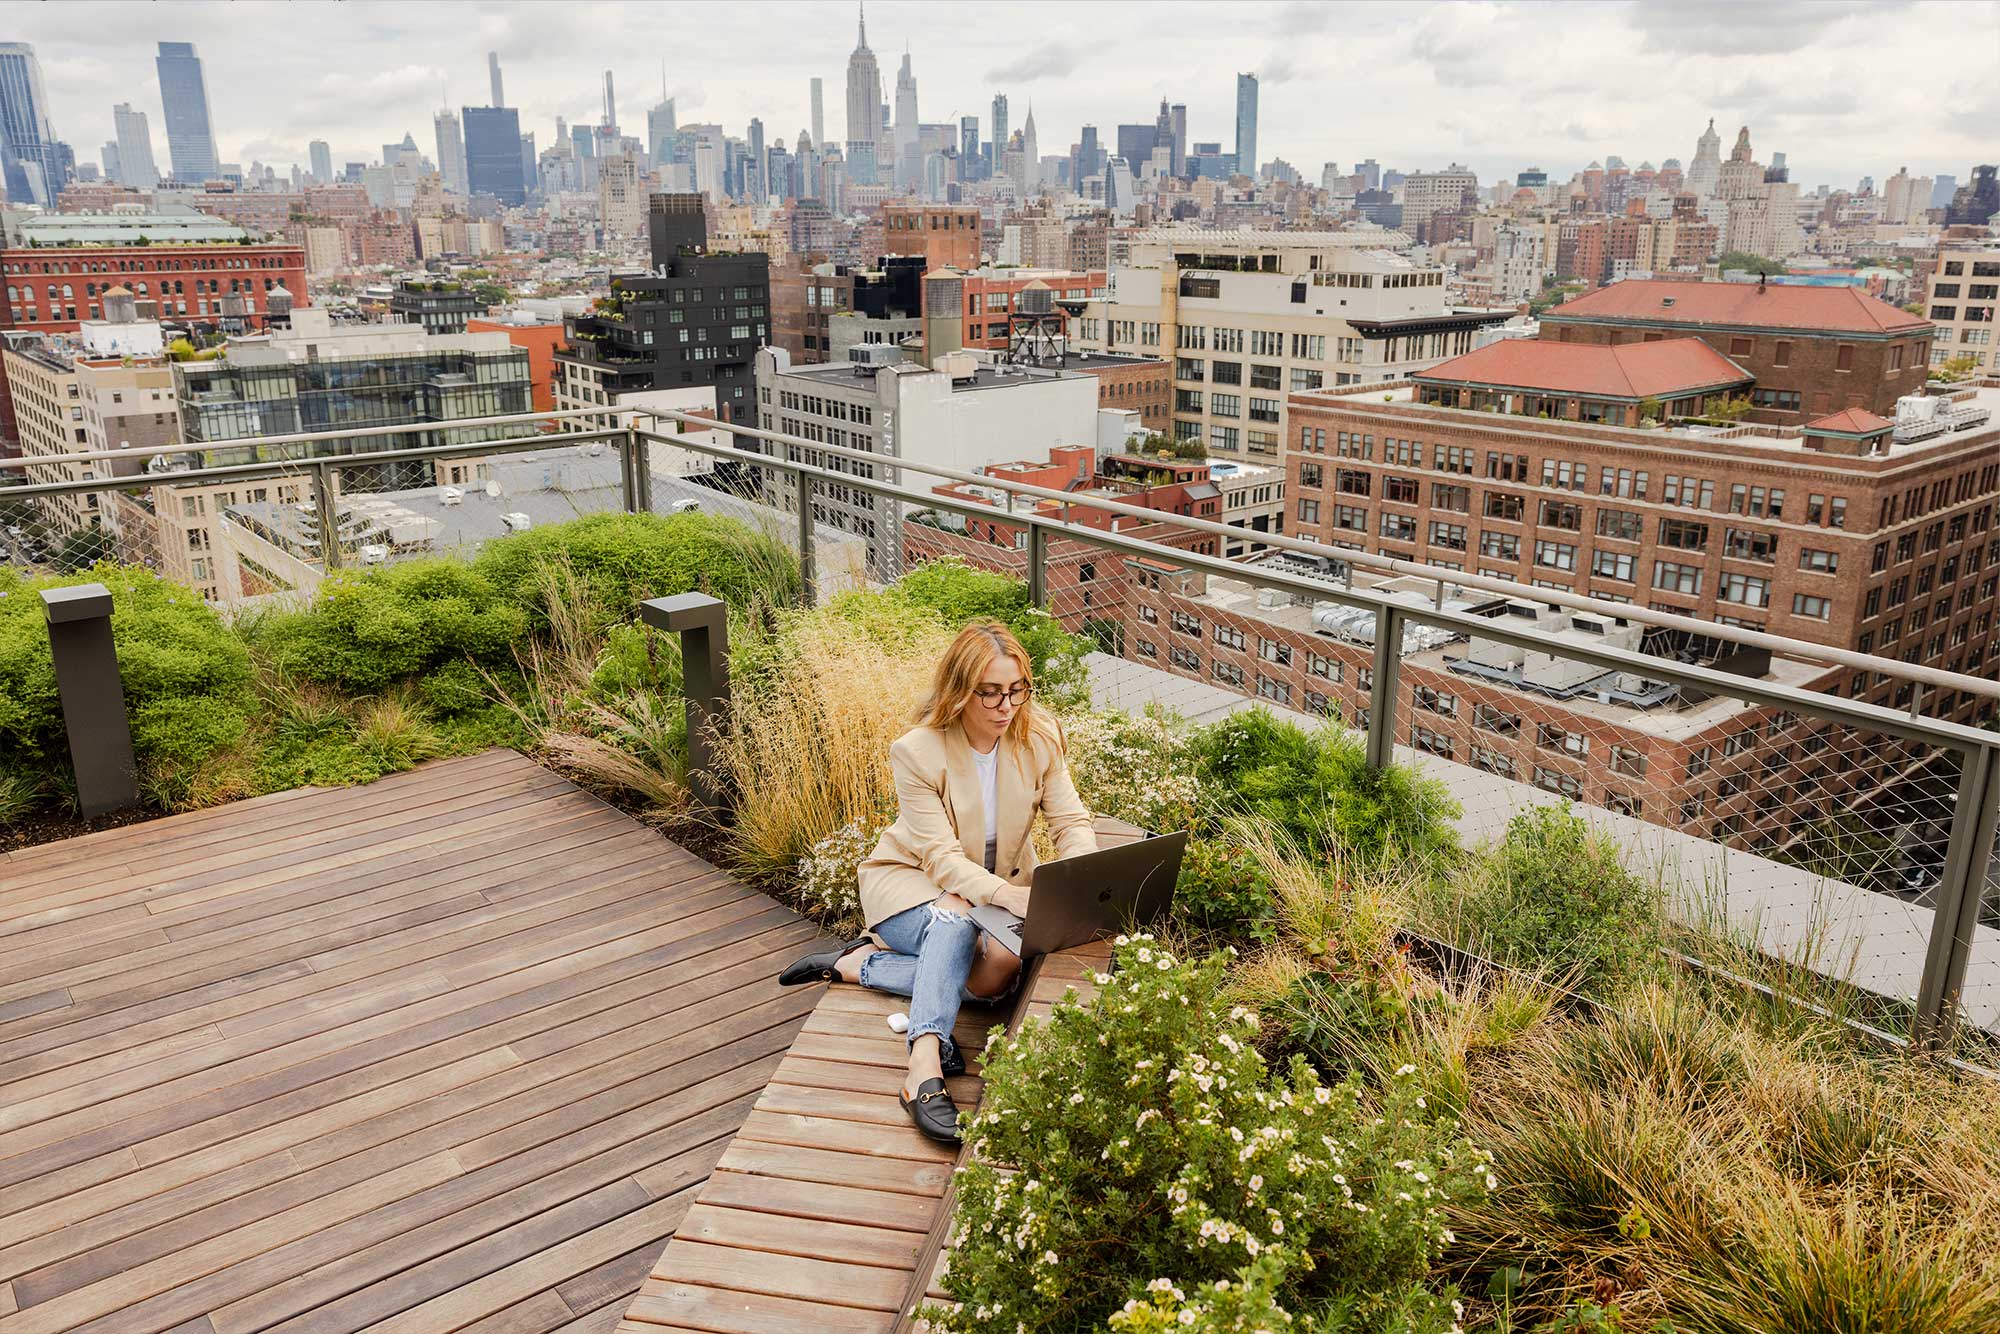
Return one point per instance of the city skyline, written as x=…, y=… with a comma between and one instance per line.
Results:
x=1567, y=105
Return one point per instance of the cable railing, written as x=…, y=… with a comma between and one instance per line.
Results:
x=1797, y=806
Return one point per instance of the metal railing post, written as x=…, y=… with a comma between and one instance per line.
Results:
x=628, y=476
x=642, y=467
x=808, y=560
x=93, y=698
x=326, y=506
x=1038, y=587
x=1958, y=897
x=1382, y=696
x=702, y=622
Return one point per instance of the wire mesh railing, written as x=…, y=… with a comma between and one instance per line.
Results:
x=1850, y=839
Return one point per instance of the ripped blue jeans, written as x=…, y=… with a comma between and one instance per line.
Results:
x=929, y=957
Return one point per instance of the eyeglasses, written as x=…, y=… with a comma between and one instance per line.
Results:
x=991, y=696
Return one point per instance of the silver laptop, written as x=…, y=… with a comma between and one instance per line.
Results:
x=1077, y=899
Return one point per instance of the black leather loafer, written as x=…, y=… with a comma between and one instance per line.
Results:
x=818, y=967
x=933, y=1112
x=952, y=1062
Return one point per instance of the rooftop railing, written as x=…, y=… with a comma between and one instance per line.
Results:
x=1850, y=838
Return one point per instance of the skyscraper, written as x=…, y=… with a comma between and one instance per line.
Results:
x=660, y=132
x=909, y=169
x=968, y=147
x=864, y=109
x=819, y=113
x=28, y=150
x=450, y=151
x=1180, y=138
x=493, y=73
x=757, y=180
x=493, y=153
x=322, y=160
x=184, y=94
x=135, y=148
x=1246, y=124
x=610, y=103
x=112, y=170
x=805, y=173
x=1031, y=162
x=1705, y=172
x=998, y=142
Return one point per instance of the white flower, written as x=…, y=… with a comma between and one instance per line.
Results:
x=1049, y=1257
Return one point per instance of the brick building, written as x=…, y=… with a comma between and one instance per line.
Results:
x=1144, y=385
x=1813, y=350
x=1849, y=532
x=182, y=268
x=947, y=236
x=993, y=296
x=1715, y=767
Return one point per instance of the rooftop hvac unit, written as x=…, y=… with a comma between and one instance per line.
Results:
x=688, y=506
x=374, y=553
x=867, y=358
x=517, y=521
x=595, y=449
x=450, y=495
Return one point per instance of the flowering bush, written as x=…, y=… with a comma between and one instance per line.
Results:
x=1150, y=1139
x=1248, y=1304
x=1137, y=767
x=1225, y=888
x=828, y=878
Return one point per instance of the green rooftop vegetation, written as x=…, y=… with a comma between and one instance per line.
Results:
x=1364, y=1079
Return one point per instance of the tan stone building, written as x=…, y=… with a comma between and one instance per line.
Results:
x=1964, y=301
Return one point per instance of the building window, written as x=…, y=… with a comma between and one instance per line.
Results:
x=1186, y=624
x=1625, y=760
x=1821, y=562
x=1431, y=700
x=1558, y=782
x=1492, y=761
x=1555, y=555
x=1227, y=673
x=1435, y=743
x=1228, y=636
x=1672, y=578
x=1322, y=666
x=1612, y=565
x=1550, y=737
x=1450, y=536
x=1745, y=590
x=1276, y=691
x=1457, y=499
x=1489, y=719
x=1272, y=650
x=1816, y=608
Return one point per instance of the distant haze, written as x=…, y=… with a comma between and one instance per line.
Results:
x=1842, y=89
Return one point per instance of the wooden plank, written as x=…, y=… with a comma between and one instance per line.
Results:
x=616, y=1281
x=813, y=1200
x=822, y=1239
x=903, y=1176
x=798, y=1277
x=694, y=1306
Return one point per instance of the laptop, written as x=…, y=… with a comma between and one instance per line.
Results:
x=1077, y=899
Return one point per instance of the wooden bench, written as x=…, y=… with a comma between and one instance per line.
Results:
x=828, y=1212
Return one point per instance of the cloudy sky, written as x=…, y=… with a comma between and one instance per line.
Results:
x=1845, y=89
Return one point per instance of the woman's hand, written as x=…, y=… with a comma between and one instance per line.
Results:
x=1014, y=898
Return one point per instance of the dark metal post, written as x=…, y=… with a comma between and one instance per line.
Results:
x=628, y=476
x=1959, y=894
x=327, y=506
x=1038, y=590
x=702, y=622
x=808, y=558
x=93, y=699
x=1382, y=698
x=642, y=468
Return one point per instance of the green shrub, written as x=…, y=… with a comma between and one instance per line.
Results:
x=1555, y=896
x=1226, y=890
x=1317, y=787
x=1153, y=1141
x=367, y=630
x=957, y=593
x=624, y=559
x=186, y=675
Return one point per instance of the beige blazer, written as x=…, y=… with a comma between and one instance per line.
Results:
x=938, y=843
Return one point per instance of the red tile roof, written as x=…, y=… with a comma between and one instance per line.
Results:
x=1665, y=369
x=1741, y=305
x=1852, y=421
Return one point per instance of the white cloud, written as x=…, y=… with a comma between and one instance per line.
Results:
x=1500, y=84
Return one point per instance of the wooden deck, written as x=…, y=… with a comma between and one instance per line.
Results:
x=456, y=1050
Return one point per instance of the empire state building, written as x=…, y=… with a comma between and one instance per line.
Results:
x=864, y=110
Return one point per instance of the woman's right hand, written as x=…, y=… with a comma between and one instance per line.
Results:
x=1013, y=898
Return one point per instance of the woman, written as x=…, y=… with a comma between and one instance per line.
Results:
x=971, y=776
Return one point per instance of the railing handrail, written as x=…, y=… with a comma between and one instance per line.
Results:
x=1792, y=648
x=297, y=438
x=1876, y=716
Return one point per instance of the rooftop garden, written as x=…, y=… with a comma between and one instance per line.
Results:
x=1365, y=1078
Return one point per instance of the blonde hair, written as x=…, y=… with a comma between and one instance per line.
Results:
x=958, y=674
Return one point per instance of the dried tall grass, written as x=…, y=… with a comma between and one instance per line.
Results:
x=808, y=745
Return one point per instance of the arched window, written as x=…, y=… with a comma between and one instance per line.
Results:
x=69, y=293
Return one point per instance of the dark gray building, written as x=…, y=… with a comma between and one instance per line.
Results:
x=440, y=307
x=184, y=94
x=696, y=319
x=493, y=153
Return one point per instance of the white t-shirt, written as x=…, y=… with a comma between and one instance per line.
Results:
x=988, y=768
